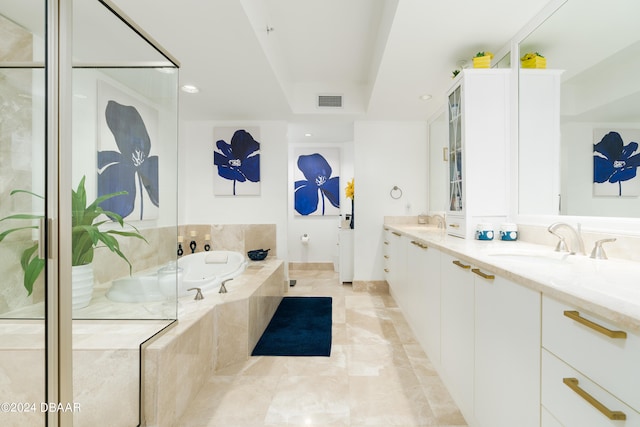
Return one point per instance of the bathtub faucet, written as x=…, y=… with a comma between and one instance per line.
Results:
x=198, y=293
x=223, y=288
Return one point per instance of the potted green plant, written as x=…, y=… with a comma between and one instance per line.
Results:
x=86, y=235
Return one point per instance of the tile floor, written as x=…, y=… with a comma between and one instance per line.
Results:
x=377, y=374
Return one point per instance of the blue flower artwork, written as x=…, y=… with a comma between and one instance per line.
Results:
x=131, y=168
x=613, y=163
x=319, y=192
x=238, y=163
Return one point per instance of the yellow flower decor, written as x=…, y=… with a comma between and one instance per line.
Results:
x=349, y=191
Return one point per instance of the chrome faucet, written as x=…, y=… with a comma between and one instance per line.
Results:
x=223, y=288
x=439, y=219
x=198, y=293
x=562, y=245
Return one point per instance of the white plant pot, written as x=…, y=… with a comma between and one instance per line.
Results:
x=81, y=285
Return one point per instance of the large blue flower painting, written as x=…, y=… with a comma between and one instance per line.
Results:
x=319, y=190
x=131, y=168
x=238, y=164
x=614, y=162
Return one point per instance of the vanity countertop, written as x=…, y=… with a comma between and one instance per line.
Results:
x=608, y=288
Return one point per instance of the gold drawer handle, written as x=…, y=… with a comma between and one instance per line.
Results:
x=386, y=270
x=386, y=256
x=396, y=233
x=483, y=275
x=599, y=328
x=420, y=245
x=386, y=243
x=454, y=225
x=461, y=265
x=572, y=383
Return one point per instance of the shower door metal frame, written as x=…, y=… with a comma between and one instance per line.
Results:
x=59, y=372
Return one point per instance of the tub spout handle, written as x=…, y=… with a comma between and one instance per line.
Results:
x=199, y=295
x=223, y=288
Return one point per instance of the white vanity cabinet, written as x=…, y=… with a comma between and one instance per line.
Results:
x=478, y=115
x=590, y=368
x=507, y=353
x=423, y=296
x=457, y=331
x=396, y=264
x=490, y=346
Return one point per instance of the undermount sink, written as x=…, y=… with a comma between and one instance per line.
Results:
x=533, y=256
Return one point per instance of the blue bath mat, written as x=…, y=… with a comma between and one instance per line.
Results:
x=301, y=326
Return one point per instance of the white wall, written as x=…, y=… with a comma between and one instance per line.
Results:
x=386, y=154
x=383, y=154
x=197, y=202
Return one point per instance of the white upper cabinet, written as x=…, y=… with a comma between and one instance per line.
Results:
x=478, y=152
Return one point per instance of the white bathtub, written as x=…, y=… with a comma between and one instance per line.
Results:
x=204, y=270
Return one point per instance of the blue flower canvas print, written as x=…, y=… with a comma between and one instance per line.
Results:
x=615, y=162
x=317, y=182
x=125, y=158
x=236, y=157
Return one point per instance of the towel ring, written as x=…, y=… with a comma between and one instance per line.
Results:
x=396, y=192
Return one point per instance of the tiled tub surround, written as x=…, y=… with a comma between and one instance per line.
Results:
x=600, y=286
x=101, y=346
x=211, y=334
x=144, y=257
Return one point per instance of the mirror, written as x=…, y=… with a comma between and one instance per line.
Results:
x=591, y=87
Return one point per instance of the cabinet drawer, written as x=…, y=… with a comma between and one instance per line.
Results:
x=456, y=226
x=613, y=363
x=570, y=405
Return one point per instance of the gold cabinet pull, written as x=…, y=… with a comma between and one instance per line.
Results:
x=420, y=245
x=386, y=256
x=572, y=383
x=575, y=315
x=483, y=275
x=386, y=243
x=461, y=265
x=386, y=270
x=454, y=225
x=396, y=233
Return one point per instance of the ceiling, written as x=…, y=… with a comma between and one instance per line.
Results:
x=270, y=59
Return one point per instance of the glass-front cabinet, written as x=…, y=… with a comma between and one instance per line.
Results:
x=478, y=115
x=455, y=151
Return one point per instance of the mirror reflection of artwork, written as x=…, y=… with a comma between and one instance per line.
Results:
x=128, y=132
x=236, y=156
x=317, y=181
x=615, y=162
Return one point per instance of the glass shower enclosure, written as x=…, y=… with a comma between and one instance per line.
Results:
x=88, y=210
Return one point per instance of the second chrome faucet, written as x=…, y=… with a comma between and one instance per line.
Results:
x=576, y=245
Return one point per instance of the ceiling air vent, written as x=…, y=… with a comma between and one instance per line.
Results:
x=334, y=101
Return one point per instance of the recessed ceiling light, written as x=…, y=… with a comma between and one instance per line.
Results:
x=190, y=89
x=307, y=134
x=425, y=97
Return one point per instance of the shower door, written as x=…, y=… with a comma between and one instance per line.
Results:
x=22, y=207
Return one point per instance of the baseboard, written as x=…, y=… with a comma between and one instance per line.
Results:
x=310, y=266
x=372, y=286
